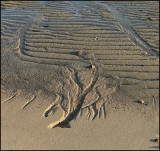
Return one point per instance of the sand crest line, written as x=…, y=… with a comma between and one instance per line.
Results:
x=28, y=102
x=10, y=98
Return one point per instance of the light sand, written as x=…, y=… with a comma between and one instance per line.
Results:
x=124, y=127
x=47, y=84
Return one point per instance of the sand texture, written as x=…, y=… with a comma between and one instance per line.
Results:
x=80, y=75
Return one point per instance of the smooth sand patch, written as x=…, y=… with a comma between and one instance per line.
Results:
x=125, y=127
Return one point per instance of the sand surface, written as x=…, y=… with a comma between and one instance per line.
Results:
x=79, y=75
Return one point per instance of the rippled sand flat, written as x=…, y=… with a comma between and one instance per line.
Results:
x=65, y=60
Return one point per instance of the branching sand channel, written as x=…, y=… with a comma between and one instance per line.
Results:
x=80, y=90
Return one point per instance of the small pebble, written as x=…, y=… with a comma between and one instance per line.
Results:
x=145, y=53
x=92, y=66
x=79, y=53
x=140, y=101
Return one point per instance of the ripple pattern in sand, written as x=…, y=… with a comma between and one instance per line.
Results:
x=144, y=17
x=64, y=28
x=14, y=17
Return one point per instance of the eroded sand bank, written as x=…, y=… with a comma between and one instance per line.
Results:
x=62, y=61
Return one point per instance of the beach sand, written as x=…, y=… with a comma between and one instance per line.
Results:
x=79, y=75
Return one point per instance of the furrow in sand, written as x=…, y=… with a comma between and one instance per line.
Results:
x=72, y=42
x=73, y=27
x=47, y=55
x=147, y=84
x=130, y=81
x=11, y=24
x=14, y=16
x=81, y=32
x=7, y=34
x=74, y=35
x=79, y=22
x=149, y=34
x=131, y=62
x=136, y=75
x=67, y=46
x=5, y=27
x=94, y=32
x=146, y=30
x=71, y=55
x=15, y=3
x=45, y=61
x=49, y=32
x=123, y=57
x=141, y=93
x=131, y=68
x=100, y=52
x=49, y=37
x=58, y=18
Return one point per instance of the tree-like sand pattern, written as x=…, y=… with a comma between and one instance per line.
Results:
x=78, y=91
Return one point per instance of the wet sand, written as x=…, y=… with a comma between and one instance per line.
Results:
x=88, y=70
